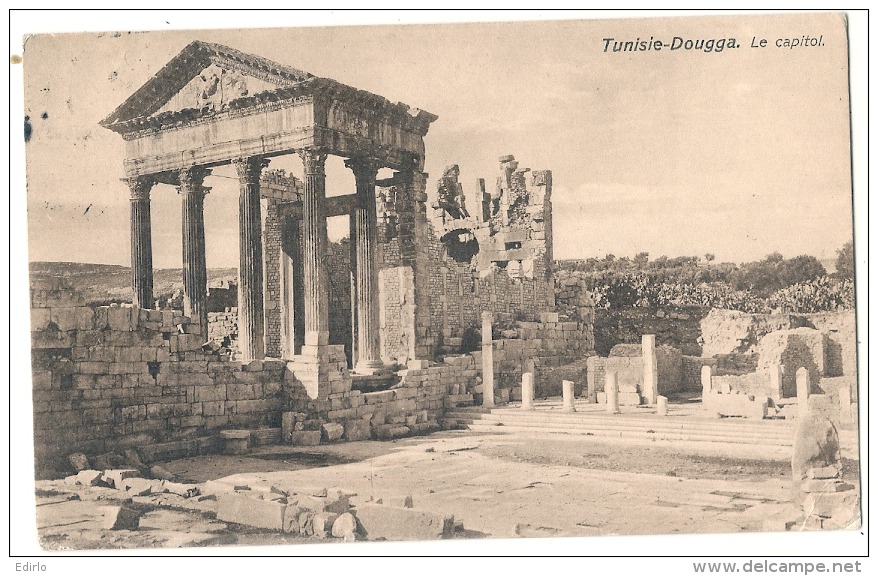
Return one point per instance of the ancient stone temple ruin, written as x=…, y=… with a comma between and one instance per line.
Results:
x=375, y=340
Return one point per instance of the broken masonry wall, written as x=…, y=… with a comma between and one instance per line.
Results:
x=491, y=252
x=548, y=347
x=114, y=377
x=669, y=362
x=110, y=378
x=841, y=344
x=691, y=372
x=791, y=350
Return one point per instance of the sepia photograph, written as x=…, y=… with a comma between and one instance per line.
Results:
x=367, y=282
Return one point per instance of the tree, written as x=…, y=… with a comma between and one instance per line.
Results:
x=844, y=263
x=709, y=257
x=799, y=269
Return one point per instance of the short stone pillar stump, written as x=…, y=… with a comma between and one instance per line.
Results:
x=567, y=392
x=235, y=441
x=662, y=405
x=527, y=391
x=611, y=387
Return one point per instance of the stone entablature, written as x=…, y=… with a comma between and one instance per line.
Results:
x=227, y=120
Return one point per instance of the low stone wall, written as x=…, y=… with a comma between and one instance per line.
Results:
x=542, y=347
x=629, y=376
x=691, y=372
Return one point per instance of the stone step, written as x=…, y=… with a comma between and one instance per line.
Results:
x=500, y=428
x=617, y=421
x=584, y=428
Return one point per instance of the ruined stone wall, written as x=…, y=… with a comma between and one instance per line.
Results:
x=491, y=253
x=222, y=295
x=794, y=349
x=223, y=328
x=669, y=362
x=749, y=383
x=841, y=345
x=110, y=377
x=691, y=372
x=729, y=331
x=542, y=347
x=629, y=376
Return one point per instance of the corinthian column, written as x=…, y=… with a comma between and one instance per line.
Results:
x=314, y=221
x=141, y=241
x=366, y=268
x=194, y=261
x=251, y=321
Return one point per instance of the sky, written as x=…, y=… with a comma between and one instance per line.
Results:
x=738, y=153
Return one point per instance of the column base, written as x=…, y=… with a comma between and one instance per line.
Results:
x=370, y=368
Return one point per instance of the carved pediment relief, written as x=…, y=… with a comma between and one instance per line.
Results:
x=214, y=88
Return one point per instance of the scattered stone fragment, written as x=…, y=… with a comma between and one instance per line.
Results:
x=114, y=477
x=132, y=458
x=395, y=523
x=119, y=518
x=249, y=511
x=161, y=473
x=79, y=461
x=184, y=490
x=137, y=486
x=322, y=523
x=345, y=526
x=291, y=519
x=306, y=528
x=89, y=478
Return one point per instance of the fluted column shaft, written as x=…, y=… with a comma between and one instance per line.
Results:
x=141, y=241
x=194, y=259
x=251, y=320
x=366, y=269
x=315, y=240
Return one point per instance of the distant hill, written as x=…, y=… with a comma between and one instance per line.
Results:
x=106, y=283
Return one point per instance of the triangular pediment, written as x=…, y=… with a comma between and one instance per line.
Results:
x=214, y=88
x=203, y=76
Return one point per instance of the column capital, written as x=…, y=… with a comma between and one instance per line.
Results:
x=314, y=160
x=364, y=168
x=140, y=186
x=192, y=179
x=250, y=168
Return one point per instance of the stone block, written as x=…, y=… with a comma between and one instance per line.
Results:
x=137, y=486
x=78, y=461
x=390, y=431
x=322, y=522
x=249, y=511
x=291, y=519
x=345, y=527
x=305, y=437
x=380, y=522
x=629, y=398
x=89, y=478
x=829, y=505
x=235, y=441
x=119, y=518
x=184, y=490
x=355, y=430
x=114, y=478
